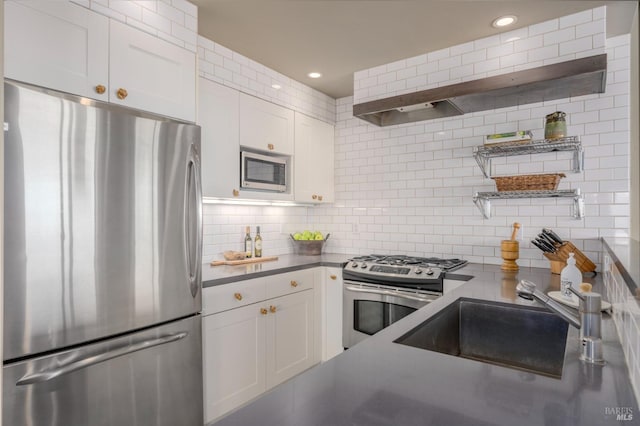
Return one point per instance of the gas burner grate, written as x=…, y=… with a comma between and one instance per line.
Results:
x=400, y=260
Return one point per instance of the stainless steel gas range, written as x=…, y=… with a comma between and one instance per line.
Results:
x=382, y=289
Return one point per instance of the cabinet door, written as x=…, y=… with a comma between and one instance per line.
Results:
x=218, y=116
x=156, y=75
x=332, y=313
x=265, y=126
x=57, y=45
x=290, y=339
x=233, y=358
x=313, y=160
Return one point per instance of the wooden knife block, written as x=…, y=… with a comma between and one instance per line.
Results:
x=558, y=259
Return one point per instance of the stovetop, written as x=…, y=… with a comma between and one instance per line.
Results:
x=399, y=270
x=446, y=265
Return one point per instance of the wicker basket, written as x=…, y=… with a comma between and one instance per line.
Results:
x=309, y=247
x=528, y=182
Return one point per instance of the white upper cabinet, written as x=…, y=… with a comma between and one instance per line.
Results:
x=265, y=126
x=220, y=151
x=66, y=47
x=151, y=74
x=313, y=162
x=57, y=45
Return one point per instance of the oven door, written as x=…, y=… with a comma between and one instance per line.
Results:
x=368, y=308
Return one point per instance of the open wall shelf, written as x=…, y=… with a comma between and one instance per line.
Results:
x=483, y=199
x=483, y=154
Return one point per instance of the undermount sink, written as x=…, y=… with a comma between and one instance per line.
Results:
x=525, y=338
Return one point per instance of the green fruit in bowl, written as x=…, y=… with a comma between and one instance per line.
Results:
x=319, y=237
x=297, y=236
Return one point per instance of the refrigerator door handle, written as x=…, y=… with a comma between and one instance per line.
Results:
x=45, y=376
x=193, y=243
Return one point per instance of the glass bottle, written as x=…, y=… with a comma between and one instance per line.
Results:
x=248, y=243
x=258, y=243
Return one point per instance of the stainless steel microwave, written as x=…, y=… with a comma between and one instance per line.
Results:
x=263, y=172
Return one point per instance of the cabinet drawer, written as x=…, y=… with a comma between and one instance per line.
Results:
x=290, y=282
x=228, y=296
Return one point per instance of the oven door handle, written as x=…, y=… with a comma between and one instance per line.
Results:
x=389, y=293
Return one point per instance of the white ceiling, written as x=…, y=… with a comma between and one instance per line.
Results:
x=339, y=37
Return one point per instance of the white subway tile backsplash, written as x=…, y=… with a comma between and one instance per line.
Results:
x=474, y=56
x=542, y=53
x=560, y=36
x=577, y=45
x=169, y=11
x=576, y=19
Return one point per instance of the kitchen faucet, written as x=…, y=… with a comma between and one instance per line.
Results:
x=589, y=322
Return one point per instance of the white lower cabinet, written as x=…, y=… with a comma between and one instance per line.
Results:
x=249, y=348
x=289, y=335
x=234, y=362
x=331, y=302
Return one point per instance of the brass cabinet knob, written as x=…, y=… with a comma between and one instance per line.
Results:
x=333, y=277
x=319, y=197
x=121, y=93
x=294, y=283
x=100, y=89
x=238, y=296
x=271, y=147
x=272, y=309
x=263, y=311
x=314, y=196
x=236, y=192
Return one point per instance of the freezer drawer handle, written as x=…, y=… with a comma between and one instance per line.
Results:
x=45, y=376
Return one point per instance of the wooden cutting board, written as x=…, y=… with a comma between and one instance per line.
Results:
x=243, y=261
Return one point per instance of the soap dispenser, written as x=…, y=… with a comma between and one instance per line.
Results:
x=570, y=276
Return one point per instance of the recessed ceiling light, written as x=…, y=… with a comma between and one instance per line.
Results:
x=503, y=21
x=314, y=75
x=276, y=86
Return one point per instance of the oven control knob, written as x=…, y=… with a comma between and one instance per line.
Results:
x=363, y=266
x=354, y=265
x=418, y=271
x=429, y=271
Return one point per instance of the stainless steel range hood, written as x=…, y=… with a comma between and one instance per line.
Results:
x=556, y=81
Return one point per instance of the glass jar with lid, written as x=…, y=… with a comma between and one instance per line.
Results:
x=555, y=125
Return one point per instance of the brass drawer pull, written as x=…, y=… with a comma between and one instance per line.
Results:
x=238, y=296
x=122, y=93
x=333, y=277
x=263, y=311
x=271, y=147
x=294, y=283
x=236, y=192
x=272, y=309
x=319, y=197
x=100, y=89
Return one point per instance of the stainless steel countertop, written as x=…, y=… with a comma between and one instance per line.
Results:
x=378, y=382
x=216, y=275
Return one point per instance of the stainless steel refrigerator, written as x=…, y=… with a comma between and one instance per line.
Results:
x=102, y=264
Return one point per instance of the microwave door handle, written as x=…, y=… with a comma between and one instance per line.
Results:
x=389, y=293
x=45, y=376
